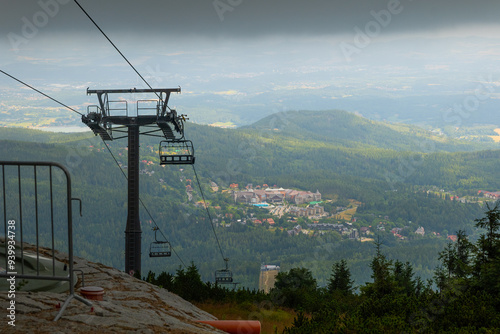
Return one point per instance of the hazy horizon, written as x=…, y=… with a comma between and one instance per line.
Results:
x=238, y=61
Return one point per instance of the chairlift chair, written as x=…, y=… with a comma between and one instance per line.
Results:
x=176, y=152
x=159, y=248
x=224, y=276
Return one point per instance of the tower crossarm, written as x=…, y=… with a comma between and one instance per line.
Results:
x=162, y=93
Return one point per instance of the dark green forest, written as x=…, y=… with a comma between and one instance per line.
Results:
x=394, y=300
x=386, y=167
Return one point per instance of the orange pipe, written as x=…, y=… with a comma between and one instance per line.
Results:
x=235, y=326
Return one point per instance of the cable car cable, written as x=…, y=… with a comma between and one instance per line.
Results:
x=116, y=48
x=143, y=205
x=145, y=81
x=150, y=87
x=197, y=179
x=208, y=213
x=105, y=144
x=40, y=92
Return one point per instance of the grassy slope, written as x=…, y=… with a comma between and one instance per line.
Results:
x=270, y=317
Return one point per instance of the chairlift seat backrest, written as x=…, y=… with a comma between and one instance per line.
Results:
x=160, y=249
x=179, y=152
x=223, y=276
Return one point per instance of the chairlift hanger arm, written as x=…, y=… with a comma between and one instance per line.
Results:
x=165, y=104
x=101, y=102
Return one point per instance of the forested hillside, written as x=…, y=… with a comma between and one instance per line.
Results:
x=345, y=129
x=382, y=168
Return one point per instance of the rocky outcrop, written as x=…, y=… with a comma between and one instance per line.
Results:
x=129, y=305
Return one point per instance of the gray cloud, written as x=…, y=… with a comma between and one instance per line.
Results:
x=243, y=18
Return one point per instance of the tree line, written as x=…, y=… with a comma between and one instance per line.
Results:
x=463, y=295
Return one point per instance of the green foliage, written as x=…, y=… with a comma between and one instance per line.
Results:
x=487, y=263
x=303, y=153
x=98, y=235
x=340, y=281
x=296, y=289
x=347, y=128
x=189, y=285
x=491, y=223
x=396, y=302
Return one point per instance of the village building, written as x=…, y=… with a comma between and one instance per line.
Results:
x=310, y=211
x=364, y=230
x=327, y=227
x=397, y=230
x=247, y=197
x=420, y=231
x=295, y=231
x=492, y=195
x=274, y=195
x=214, y=186
x=300, y=197
x=270, y=221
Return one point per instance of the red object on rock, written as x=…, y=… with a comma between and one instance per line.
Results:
x=92, y=292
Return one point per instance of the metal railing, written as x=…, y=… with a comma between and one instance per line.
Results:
x=36, y=208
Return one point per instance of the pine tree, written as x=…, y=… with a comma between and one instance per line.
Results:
x=492, y=238
x=448, y=259
x=487, y=264
x=188, y=284
x=383, y=280
x=463, y=249
x=340, y=279
x=403, y=275
x=296, y=289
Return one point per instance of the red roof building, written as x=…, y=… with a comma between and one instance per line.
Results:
x=270, y=221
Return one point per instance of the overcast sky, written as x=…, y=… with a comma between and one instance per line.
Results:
x=246, y=17
x=248, y=32
x=254, y=47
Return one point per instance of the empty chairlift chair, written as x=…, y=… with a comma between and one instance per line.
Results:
x=159, y=248
x=177, y=152
x=224, y=276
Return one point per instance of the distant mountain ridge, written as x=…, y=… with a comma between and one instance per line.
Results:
x=342, y=127
x=39, y=136
x=338, y=127
x=332, y=145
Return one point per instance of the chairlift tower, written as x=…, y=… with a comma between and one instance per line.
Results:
x=111, y=120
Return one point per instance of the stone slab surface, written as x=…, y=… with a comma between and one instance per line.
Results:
x=129, y=306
